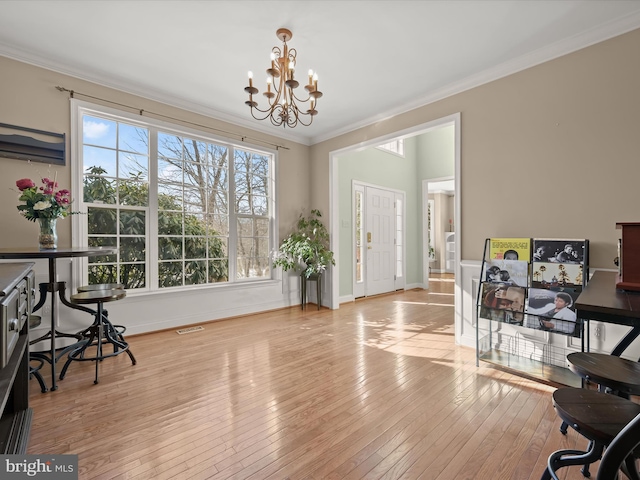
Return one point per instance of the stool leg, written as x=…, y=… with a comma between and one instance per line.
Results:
x=563, y=428
x=319, y=291
x=99, y=345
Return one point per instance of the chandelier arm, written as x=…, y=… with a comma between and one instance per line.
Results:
x=300, y=99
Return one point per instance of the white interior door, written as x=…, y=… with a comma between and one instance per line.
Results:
x=380, y=240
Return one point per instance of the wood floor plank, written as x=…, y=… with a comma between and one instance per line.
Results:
x=377, y=389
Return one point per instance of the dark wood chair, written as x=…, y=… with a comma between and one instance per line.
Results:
x=597, y=416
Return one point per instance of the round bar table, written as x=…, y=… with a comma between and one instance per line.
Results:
x=52, y=255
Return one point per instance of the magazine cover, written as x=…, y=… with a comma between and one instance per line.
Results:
x=560, y=251
x=547, y=275
x=503, y=302
x=514, y=272
x=510, y=249
x=552, y=310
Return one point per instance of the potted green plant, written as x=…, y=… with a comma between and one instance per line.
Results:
x=306, y=248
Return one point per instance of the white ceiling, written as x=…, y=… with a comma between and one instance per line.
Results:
x=375, y=59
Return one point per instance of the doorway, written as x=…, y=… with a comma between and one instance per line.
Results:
x=438, y=200
x=340, y=227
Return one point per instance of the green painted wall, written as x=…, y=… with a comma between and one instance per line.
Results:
x=429, y=155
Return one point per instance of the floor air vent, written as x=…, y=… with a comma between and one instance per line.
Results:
x=182, y=331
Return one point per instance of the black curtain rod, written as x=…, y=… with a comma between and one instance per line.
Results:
x=141, y=111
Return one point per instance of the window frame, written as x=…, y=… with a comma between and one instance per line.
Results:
x=80, y=108
x=397, y=150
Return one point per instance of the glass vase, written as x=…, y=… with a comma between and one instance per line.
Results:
x=48, y=237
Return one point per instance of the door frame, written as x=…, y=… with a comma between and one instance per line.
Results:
x=453, y=119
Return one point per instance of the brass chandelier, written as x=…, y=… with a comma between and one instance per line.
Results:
x=285, y=108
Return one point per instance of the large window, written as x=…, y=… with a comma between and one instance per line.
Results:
x=183, y=208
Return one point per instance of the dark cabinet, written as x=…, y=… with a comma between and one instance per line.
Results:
x=16, y=299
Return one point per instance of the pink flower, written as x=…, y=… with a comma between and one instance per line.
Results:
x=24, y=183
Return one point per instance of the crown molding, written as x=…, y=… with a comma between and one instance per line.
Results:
x=151, y=94
x=577, y=42
x=564, y=47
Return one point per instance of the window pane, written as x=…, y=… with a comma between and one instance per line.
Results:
x=103, y=242
x=195, y=247
x=133, y=139
x=243, y=205
x=132, y=275
x=259, y=185
x=99, y=161
x=195, y=225
x=218, y=271
x=169, y=248
x=169, y=197
x=259, y=205
x=169, y=171
x=133, y=249
x=245, y=227
x=101, y=220
x=132, y=166
x=133, y=193
x=261, y=227
x=102, y=274
x=97, y=189
x=169, y=223
x=98, y=131
x=218, y=201
x=218, y=247
x=218, y=224
x=250, y=267
x=169, y=146
x=170, y=274
x=194, y=200
x=132, y=222
x=195, y=273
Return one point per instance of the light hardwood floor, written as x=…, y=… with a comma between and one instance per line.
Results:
x=376, y=389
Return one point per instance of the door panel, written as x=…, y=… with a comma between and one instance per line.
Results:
x=380, y=216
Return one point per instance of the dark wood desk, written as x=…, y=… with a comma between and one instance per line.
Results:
x=54, y=285
x=601, y=301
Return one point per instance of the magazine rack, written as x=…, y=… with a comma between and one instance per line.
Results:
x=525, y=306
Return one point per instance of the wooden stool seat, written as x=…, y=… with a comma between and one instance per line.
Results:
x=597, y=416
x=618, y=374
x=98, y=296
x=100, y=332
x=101, y=286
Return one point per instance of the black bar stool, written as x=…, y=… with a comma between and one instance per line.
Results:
x=597, y=416
x=613, y=374
x=100, y=332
